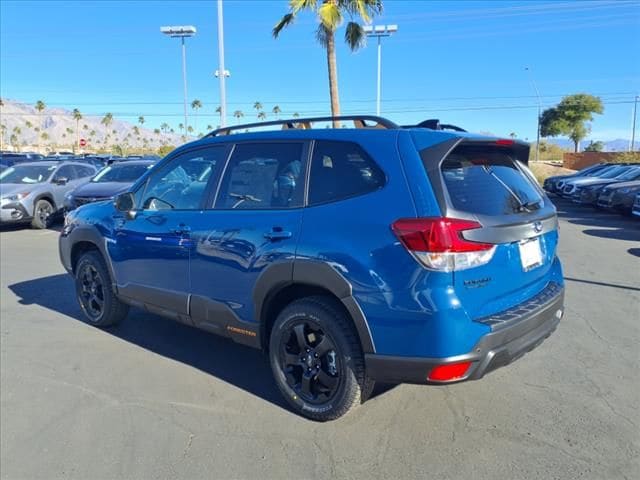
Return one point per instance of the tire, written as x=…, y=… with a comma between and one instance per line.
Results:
x=95, y=294
x=42, y=214
x=317, y=360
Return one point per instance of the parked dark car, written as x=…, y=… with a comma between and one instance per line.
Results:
x=555, y=183
x=588, y=194
x=10, y=159
x=619, y=196
x=635, y=210
x=108, y=182
x=349, y=255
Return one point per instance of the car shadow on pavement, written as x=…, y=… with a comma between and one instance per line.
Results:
x=239, y=365
x=604, y=224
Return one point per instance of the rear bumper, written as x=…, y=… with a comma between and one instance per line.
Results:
x=507, y=342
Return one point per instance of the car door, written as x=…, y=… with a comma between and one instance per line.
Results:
x=150, y=254
x=254, y=225
x=64, y=180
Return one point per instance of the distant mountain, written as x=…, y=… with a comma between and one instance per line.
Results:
x=617, y=145
x=56, y=123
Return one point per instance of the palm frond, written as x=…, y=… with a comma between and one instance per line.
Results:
x=297, y=5
x=285, y=21
x=322, y=35
x=330, y=15
x=354, y=36
x=366, y=9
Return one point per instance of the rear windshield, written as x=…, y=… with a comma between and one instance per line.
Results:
x=485, y=180
x=121, y=173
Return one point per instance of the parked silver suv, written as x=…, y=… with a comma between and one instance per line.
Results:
x=35, y=191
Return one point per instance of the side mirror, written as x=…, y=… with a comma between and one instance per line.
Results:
x=124, y=202
x=60, y=180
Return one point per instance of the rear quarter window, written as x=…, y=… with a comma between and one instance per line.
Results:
x=486, y=180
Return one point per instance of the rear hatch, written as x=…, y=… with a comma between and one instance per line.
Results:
x=489, y=184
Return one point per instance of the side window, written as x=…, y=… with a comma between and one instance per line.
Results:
x=84, y=171
x=182, y=183
x=341, y=170
x=66, y=171
x=262, y=176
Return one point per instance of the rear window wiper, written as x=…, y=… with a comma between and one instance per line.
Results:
x=522, y=206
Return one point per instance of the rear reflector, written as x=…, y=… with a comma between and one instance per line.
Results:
x=438, y=244
x=453, y=371
x=505, y=142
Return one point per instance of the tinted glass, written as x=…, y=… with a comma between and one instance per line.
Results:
x=181, y=183
x=84, y=172
x=26, y=174
x=486, y=181
x=263, y=175
x=341, y=170
x=122, y=173
x=67, y=171
x=629, y=174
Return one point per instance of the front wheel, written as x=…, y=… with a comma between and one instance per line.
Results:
x=95, y=292
x=42, y=214
x=317, y=360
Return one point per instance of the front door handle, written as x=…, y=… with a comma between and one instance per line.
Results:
x=277, y=233
x=182, y=229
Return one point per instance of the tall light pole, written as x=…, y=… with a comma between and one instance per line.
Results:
x=379, y=31
x=182, y=32
x=221, y=78
x=535, y=87
x=633, y=124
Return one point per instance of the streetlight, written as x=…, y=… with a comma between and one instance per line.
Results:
x=223, y=91
x=182, y=32
x=379, y=31
x=535, y=87
x=633, y=126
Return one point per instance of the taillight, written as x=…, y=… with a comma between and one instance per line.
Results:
x=452, y=371
x=438, y=244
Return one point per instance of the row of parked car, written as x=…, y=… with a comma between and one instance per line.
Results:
x=613, y=187
x=8, y=159
x=40, y=191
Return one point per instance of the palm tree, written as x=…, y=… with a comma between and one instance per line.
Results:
x=106, y=121
x=136, y=131
x=141, y=120
x=513, y=135
x=330, y=14
x=296, y=115
x=164, y=127
x=3, y=130
x=190, y=129
x=196, y=105
x=209, y=127
x=238, y=114
x=156, y=131
x=262, y=116
x=181, y=128
x=40, y=106
x=77, y=116
x=15, y=138
x=276, y=111
x=257, y=106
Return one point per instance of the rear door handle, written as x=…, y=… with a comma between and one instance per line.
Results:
x=277, y=233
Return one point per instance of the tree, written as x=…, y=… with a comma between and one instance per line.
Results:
x=330, y=14
x=513, y=135
x=190, y=129
x=40, y=106
x=296, y=115
x=107, y=120
x=141, y=120
x=3, y=130
x=570, y=117
x=238, y=114
x=276, y=111
x=257, y=106
x=596, y=146
x=77, y=116
x=164, y=127
x=262, y=116
x=196, y=105
x=209, y=127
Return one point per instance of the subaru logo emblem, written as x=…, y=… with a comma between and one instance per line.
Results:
x=537, y=227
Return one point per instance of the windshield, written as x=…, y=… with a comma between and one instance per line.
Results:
x=486, y=180
x=630, y=174
x=614, y=172
x=120, y=173
x=26, y=174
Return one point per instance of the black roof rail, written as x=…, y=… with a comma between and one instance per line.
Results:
x=359, y=121
x=434, y=124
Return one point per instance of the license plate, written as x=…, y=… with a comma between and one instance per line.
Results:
x=530, y=254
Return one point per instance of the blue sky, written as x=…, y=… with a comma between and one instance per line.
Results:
x=462, y=62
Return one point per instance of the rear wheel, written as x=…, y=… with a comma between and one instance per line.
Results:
x=95, y=293
x=317, y=360
x=42, y=214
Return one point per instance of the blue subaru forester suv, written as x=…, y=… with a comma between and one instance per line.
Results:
x=349, y=255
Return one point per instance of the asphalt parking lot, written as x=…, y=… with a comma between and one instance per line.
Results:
x=156, y=399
